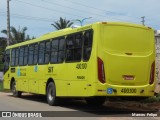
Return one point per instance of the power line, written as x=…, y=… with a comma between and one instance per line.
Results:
x=87, y=6
x=70, y=8
x=148, y=19
x=53, y=3
x=85, y=11
x=2, y=13
x=77, y=3
x=64, y=12
x=99, y=9
x=44, y=19
x=53, y=10
x=28, y=17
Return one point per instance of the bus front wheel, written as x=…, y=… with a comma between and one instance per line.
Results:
x=51, y=94
x=95, y=101
x=14, y=90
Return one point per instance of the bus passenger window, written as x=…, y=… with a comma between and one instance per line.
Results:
x=47, y=52
x=54, y=51
x=70, y=48
x=30, y=54
x=88, y=39
x=69, y=55
x=41, y=52
x=17, y=56
x=21, y=53
x=13, y=55
x=78, y=47
x=35, y=54
x=25, y=55
x=74, y=47
x=61, y=50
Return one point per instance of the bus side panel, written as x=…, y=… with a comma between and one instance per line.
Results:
x=58, y=73
x=92, y=78
x=76, y=79
x=33, y=78
x=22, y=78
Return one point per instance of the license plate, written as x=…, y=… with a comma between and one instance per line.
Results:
x=128, y=90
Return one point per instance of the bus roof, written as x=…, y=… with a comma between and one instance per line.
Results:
x=66, y=31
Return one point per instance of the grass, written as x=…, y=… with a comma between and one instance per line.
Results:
x=1, y=86
x=152, y=99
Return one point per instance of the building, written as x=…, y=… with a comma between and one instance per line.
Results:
x=157, y=42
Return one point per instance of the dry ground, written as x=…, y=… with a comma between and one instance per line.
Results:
x=135, y=106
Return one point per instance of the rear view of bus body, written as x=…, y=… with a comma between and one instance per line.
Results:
x=125, y=60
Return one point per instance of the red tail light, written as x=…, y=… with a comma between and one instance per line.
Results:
x=101, y=73
x=152, y=73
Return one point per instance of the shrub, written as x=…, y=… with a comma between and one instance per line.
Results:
x=152, y=99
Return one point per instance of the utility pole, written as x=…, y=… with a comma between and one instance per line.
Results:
x=8, y=23
x=143, y=20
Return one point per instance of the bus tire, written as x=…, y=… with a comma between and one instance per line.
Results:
x=51, y=94
x=14, y=90
x=95, y=101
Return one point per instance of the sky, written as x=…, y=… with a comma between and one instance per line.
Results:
x=38, y=15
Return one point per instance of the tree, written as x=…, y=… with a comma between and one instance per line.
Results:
x=3, y=44
x=17, y=36
x=62, y=23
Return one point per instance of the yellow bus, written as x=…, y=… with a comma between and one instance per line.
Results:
x=96, y=61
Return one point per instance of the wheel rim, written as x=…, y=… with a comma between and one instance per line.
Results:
x=50, y=94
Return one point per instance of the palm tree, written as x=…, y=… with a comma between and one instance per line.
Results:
x=62, y=23
x=17, y=36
